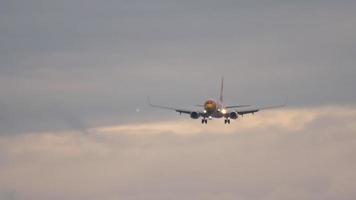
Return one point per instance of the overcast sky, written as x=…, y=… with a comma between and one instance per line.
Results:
x=72, y=68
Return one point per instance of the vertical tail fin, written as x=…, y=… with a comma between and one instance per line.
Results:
x=222, y=90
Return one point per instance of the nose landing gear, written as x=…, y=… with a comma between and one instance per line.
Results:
x=227, y=121
x=204, y=121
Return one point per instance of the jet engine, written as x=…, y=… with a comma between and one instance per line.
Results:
x=194, y=115
x=233, y=115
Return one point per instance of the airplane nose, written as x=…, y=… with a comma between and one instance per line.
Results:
x=210, y=106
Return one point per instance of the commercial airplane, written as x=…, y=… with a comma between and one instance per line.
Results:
x=217, y=109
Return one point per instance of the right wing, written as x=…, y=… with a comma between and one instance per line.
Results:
x=185, y=111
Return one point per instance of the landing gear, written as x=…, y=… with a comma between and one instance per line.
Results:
x=204, y=121
x=227, y=121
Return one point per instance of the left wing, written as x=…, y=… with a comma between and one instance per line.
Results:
x=237, y=106
x=253, y=110
x=185, y=111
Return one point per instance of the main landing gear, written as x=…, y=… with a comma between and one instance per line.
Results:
x=204, y=121
x=227, y=121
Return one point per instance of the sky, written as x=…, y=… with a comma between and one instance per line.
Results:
x=74, y=73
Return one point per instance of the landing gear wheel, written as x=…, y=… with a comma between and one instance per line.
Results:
x=204, y=121
x=227, y=121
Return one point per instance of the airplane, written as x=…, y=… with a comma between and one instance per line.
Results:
x=217, y=109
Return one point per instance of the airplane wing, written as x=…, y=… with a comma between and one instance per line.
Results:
x=237, y=106
x=185, y=111
x=253, y=110
x=227, y=107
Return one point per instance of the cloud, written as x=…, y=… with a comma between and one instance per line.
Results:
x=284, y=154
x=288, y=120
